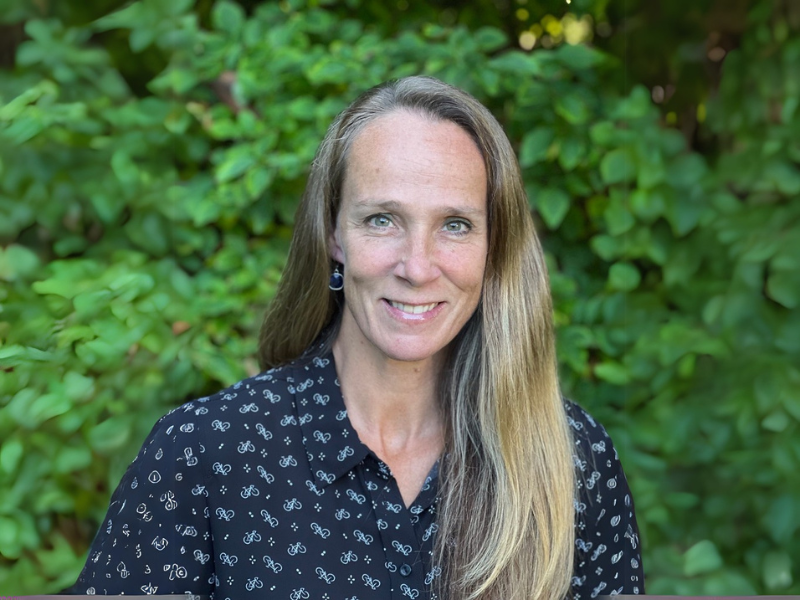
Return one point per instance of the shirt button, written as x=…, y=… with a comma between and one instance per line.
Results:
x=405, y=570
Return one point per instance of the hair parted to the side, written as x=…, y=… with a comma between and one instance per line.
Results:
x=506, y=511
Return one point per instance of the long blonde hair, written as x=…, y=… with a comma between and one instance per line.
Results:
x=507, y=480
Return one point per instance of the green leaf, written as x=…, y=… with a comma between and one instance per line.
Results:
x=579, y=57
x=150, y=231
x=30, y=408
x=110, y=435
x=784, y=288
x=90, y=304
x=517, y=64
x=534, y=146
x=637, y=105
x=330, y=70
x=141, y=38
x=15, y=108
x=128, y=17
x=784, y=176
x=603, y=133
x=15, y=355
x=10, y=454
x=489, y=39
x=48, y=406
x=791, y=402
x=257, y=181
x=782, y=518
x=787, y=258
x=179, y=81
x=10, y=546
x=573, y=108
x=177, y=7
x=672, y=142
x=686, y=171
x=776, y=421
x=78, y=387
x=701, y=558
x=761, y=250
x=234, y=165
x=618, y=166
x=777, y=570
x=108, y=206
x=650, y=174
x=684, y=212
x=571, y=152
x=613, y=373
x=647, y=205
x=618, y=218
x=72, y=459
x=727, y=583
x=303, y=108
x=623, y=277
x=17, y=262
x=553, y=205
x=605, y=246
x=125, y=168
x=23, y=129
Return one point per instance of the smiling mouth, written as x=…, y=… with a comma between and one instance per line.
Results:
x=414, y=309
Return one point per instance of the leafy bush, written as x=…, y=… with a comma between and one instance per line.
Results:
x=144, y=232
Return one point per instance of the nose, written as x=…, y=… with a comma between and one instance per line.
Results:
x=417, y=264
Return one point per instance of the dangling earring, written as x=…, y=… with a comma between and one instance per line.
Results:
x=337, y=280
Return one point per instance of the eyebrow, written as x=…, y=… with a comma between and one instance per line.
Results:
x=394, y=206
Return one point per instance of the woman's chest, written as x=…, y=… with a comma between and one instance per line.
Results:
x=277, y=528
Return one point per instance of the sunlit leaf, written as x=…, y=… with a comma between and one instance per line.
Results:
x=623, y=277
x=701, y=558
x=784, y=288
x=227, y=16
x=777, y=570
x=534, y=146
x=553, y=205
x=618, y=166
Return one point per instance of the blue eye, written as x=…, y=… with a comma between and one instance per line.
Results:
x=457, y=227
x=379, y=221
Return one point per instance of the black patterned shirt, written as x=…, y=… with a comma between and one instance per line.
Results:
x=264, y=490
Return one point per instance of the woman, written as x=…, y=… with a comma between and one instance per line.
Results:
x=409, y=438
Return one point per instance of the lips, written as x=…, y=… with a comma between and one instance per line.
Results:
x=413, y=309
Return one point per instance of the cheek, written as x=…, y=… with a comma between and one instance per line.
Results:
x=467, y=268
x=370, y=257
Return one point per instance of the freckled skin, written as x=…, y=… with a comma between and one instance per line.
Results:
x=412, y=228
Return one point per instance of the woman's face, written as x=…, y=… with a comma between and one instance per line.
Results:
x=412, y=235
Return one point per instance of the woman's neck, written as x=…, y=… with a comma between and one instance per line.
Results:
x=388, y=397
x=393, y=407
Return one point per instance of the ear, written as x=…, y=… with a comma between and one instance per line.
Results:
x=335, y=246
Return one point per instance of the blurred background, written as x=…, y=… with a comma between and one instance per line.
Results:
x=152, y=154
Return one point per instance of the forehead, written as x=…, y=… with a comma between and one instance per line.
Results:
x=403, y=126
x=408, y=148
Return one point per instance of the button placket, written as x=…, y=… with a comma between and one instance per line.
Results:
x=397, y=532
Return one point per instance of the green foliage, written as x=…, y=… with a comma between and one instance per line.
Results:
x=142, y=234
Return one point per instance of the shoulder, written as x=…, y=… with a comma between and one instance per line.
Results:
x=187, y=430
x=599, y=474
x=607, y=553
x=602, y=488
x=581, y=422
x=273, y=388
x=592, y=442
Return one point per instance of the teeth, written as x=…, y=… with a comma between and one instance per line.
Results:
x=413, y=309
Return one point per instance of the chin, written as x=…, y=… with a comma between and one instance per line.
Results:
x=412, y=353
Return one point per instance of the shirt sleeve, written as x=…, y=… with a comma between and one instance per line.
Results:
x=155, y=538
x=608, y=553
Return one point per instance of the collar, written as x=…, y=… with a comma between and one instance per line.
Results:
x=332, y=445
